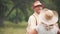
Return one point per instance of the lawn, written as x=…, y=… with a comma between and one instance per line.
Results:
x=12, y=28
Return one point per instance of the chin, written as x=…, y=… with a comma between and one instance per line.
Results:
x=39, y=13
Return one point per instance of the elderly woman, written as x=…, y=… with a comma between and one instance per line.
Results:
x=48, y=24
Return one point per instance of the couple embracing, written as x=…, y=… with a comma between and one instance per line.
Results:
x=42, y=21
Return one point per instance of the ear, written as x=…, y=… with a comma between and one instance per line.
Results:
x=32, y=7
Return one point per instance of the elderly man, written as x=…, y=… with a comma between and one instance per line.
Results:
x=33, y=19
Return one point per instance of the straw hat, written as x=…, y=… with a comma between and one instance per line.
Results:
x=49, y=17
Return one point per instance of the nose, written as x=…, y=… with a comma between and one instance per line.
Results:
x=40, y=8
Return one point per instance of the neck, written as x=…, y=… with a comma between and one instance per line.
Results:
x=36, y=13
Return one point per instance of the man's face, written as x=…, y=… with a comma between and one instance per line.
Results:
x=38, y=8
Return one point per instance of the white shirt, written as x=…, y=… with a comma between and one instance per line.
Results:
x=41, y=30
x=32, y=21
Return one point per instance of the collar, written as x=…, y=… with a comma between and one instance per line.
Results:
x=35, y=14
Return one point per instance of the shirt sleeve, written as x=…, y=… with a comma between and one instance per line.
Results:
x=31, y=22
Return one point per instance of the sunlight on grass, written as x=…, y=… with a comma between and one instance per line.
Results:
x=15, y=31
x=12, y=28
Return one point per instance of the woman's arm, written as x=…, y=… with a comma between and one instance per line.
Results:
x=34, y=32
x=58, y=31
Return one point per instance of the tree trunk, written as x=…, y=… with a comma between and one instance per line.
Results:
x=1, y=22
x=16, y=16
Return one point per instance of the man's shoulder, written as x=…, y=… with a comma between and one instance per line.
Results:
x=31, y=17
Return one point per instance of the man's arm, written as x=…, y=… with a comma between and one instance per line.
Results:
x=31, y=24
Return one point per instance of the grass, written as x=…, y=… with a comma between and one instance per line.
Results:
x=12, y=28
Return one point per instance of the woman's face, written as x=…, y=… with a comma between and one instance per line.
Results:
x=37, y=9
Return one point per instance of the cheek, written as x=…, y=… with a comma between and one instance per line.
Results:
x=41, y=8
x=37, y=9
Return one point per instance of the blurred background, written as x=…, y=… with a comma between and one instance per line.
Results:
x=14, y=14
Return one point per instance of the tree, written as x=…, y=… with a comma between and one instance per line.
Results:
x=3, y=10
x=22, y=5
x=57, y=2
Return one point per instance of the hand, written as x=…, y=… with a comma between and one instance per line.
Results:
x=58, y=31
x=34, y=32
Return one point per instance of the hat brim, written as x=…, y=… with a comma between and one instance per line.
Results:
x=38, y=5
x=48, y=22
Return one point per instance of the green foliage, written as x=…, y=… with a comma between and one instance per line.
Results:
x=49, y=4
x=3, y=8
x=12, y=15
x=24, y=8
x=57, y=3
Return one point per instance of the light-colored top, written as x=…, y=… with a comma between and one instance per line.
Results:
x=32, y=21
x=41, y=30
